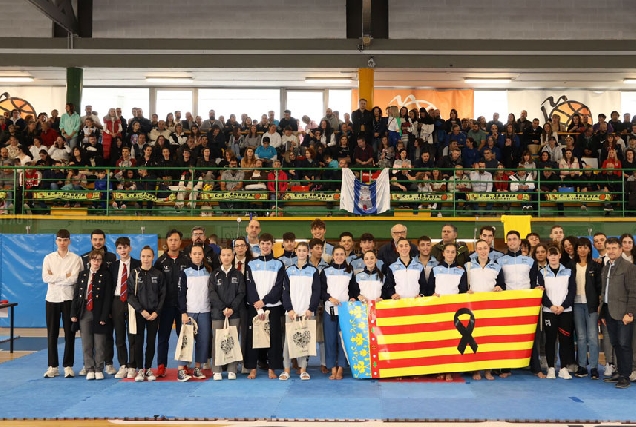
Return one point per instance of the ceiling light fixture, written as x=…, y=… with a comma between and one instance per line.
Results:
x=629, y=81
x=169, y=80
x=328, y=80
x=16, y=79
x=477, y=80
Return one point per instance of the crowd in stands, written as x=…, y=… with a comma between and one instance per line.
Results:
x=426, y=152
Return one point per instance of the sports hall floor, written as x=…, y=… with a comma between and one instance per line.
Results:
x=521, y=398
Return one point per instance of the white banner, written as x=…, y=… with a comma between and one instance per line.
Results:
x=542, y=103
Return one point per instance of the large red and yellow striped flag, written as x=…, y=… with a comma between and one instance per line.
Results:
x=454, y=333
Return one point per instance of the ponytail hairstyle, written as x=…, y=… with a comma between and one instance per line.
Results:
x=348, y=267
x=377, y=270
x=206, y=265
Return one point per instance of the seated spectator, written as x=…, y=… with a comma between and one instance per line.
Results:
x=126, y=161
x=424, y=162
x=389, y=151
x=545, y=161
x=532, y=134
x=161, y=130
x=629, y=164
x=94, y=152
x=60, y=150
x=459, y=184
x=554, y=149
x=44, y=159
x=402, y=180
x=510, y=155
x=307, y=124
x=266, y=152
x=48, y=135
x=277, y=184
x=256, y=179
x=490, y=160
x=89, y=129
x=148, y=158
x=252, y=139
x=79, y=161
x=491, y=146
x=549, y=180
x=587, y=144
x=308, y=168
x=569, y=145
x=274, y=138
x=528, y=163
x=522, y=182
x=53, y=178
x=231, y=180
x=206, y=164
x=547, y=133
x=450, y=161
x=481, y=181
x=24, y=158
x=363, y=154
x=470, y=154
x=569, y=165
x=509, y=132
x=178, y=137
x=249, y=159
x=457, y=135
x=290, y=141
x=34, y=150
x=343, y=150
x=611, y=142
x=501, y=179
x=495, y=122
x=147, y=182
x=478, y=136
x=402, y=161
x=576, y=124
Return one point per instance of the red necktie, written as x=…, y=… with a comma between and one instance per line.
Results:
x=123, y=290
x=89, y=294
x=240, y=264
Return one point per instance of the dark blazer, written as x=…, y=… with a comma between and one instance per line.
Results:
x=102, y=298
x=622, y=291
x=114, y=270
x=592, y=284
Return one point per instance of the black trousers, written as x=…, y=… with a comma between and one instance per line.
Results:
x=150, y=328
x=55, y=310
x=120, y=325
x=621, y=337
x=169, y=315
x=274, y=353
x=559, y=327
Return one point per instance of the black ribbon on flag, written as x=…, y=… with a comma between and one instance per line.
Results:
x=465, y=331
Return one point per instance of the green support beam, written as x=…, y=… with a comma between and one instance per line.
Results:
x=74, y=84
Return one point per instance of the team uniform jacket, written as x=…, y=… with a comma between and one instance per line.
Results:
x=447, y=280
x=334, y=281
x=484, y=279
x=171, y=269
x=432, y=263
x=408, y=281
x=226, y=291
x=211, y=256
x=302, y=291
x=357, y=264
x=150, y=292
x=288, y=258
x=366, y=283
x=193, y=290
x=102, y=298
x=264, y=280
x=560, y=288
x=517, y=270
x=493, y=255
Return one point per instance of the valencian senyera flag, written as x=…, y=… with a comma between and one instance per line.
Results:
x=365, y=199
x=452, y=333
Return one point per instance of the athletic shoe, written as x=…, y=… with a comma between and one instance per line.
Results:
x=632, y=376
x=594, y=374
x=572, y=367
x=161, y=371
x=131, y=373
x=110, y=369
x=231, y=376
x=182, y=376
x=581, y=372
x=609, y=370
x=565, y=374
x=140, y=376
x=122, y=372
x=82, y=371
x=206, y=365
x=622, y=383
x=90, y=376
x=150, y=376
x=217, y=376
x=551, y=374
x=613, y=379
x=52, y=372
x=99, y=375
x=198, y=374
x=68, y=372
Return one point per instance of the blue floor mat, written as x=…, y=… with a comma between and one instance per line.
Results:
x=521, y=397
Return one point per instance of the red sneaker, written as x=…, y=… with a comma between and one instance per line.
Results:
x=161, y=371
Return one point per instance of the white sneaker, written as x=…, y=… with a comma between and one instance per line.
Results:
x=110, y=370
x=122, y=372
x=90, y=376
x=131, y=373
x=231, y=376
x=609, y=370
x=565, y=374
x=52, y=372
x=632, y=376
x=68, y=372
x=99, y=375
x=217, y=376
x=140, y=376
x=82, y=371
x=551, y=374
x=150, y=376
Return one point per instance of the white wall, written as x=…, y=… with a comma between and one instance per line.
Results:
x=512, y=19
x=21, y=19
x=224, y=19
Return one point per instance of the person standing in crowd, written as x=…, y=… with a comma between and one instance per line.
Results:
x=586, y=300
x=227, y=299
x=146, y=295
x=388, y=253
x=242, y=255
x=367, y=243
x=171, y=264
x=289, y=246
x=119, y=271
x=362, y=121
x=198, y=237
x=618, y=304
x=301, y=296
x=70, y=125
x=335, y=291
x=406, y=277
x=558, y=299
x=59, y=271
x=91, y=308
x=264, y=279
x=424, y=245
x=449, y=235
x=487, y=234
x=253, y=230
x=318, y=229
x=194, y=303
x=367, y=284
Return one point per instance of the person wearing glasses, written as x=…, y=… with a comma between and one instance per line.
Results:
x=388, y=253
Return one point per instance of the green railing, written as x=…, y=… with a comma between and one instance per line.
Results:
x=213, y=192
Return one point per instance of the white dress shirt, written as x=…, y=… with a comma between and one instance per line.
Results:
x=60, y=286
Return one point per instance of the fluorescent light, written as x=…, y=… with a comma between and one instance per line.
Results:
x=491, y=81
x=16, y=79
x=169, y=80
x=328, y=80
x=630, y=81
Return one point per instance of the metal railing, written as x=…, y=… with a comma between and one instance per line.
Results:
x=307, y=191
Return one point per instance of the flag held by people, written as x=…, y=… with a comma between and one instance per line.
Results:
x=365, y=199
